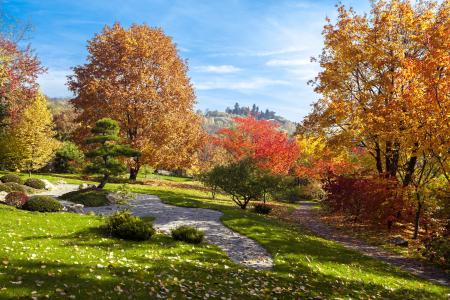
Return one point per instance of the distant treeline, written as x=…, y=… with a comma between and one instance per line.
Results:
x=215, y=120
x=254, y=111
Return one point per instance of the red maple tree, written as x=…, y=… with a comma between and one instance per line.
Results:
x=19, y=70
x=262, y=141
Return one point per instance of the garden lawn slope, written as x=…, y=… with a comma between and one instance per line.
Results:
x=62, y=254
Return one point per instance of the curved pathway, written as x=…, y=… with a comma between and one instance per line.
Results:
x=305, y=217
x=239, y=248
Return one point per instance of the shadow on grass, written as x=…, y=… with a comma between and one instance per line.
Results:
x=306, y=266
x=298, y=251
x=162, y=276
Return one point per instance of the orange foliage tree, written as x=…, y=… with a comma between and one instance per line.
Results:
x=261, y=141
x=136, y=77
x=319, y=162
x=385, y=84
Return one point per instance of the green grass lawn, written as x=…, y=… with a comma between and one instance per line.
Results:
x=164, y=177
x=64, y=255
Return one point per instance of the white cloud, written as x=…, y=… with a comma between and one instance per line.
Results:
x=287, y=62
x=221, y=69
x=250, y=84
x=286, y=50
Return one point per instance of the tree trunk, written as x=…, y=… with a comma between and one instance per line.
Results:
x=394, y=159
x=417, y=219
x=244, y=204
x=391, y=158
x=378, y=158
x=387, y=158
x=134, y=169
x=410, y=167
x=103, y=182
x=133, y=173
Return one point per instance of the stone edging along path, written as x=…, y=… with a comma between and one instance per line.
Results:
x=239, y=248
x=305, y=217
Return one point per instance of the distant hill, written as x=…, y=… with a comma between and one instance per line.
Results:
x=215, y=120
x=58, y=104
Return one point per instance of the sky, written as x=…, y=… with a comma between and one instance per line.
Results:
x=246, y=51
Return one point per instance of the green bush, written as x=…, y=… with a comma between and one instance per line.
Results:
x=292, y=194
x=17, y=199
x=11, y=178
x=35, y=183
x=188, y=234
x=125, y=226
x=243, y=180
x=5, y=188
x=42, y=204
x=309, y=191
x=68, y=158
x=90, y=197
x=261, y=208
x=16, y=187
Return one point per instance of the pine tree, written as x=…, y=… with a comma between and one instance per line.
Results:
x=236, y=109
x=104, y=158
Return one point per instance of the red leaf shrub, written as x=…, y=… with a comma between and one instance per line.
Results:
x=16, y=199
x=370, y=199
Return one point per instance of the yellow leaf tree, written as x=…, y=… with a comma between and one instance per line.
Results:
x=32, y=142
x=136, y=77
x=384, y=84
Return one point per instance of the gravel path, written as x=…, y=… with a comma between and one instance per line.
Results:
x=305, y=217
x=60, y=189
x=239, y=248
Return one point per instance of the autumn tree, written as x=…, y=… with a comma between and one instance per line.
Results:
x=384, y=86
x=373, y=83
x=136, y=77
x=105, y=135
x=64, y=117
x=179, y=146
x=261, y=141
x=32, y=142
x=319, y=162
x=210, y=155
x=19, y=69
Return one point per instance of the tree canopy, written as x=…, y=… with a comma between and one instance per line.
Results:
x=136, y=77
x=262, y=141
x=31, y=143
x=384, y=84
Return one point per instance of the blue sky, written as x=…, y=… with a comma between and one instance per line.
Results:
x=246, y=51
